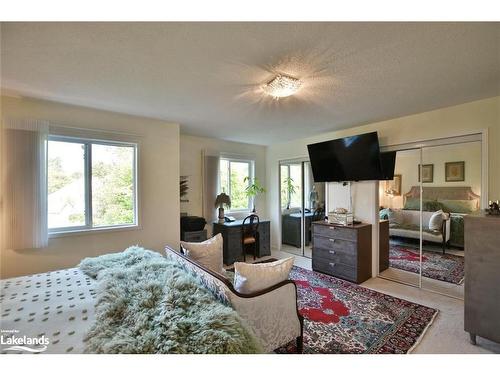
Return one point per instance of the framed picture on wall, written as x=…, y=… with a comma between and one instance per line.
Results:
x=427, y=173
x=454, y=171
x=393, y=187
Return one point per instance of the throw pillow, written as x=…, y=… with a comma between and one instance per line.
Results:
x=208, y=253
x=436, y=220
x=412, y=204
x=427, y=204
x=395, y=217
x=249, y=278
x=383, y=214
x=459, y=206
x=431, y=206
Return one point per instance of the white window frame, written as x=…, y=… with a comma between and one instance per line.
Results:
x=251, y=169
x=88, y=226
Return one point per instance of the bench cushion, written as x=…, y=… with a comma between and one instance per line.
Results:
x=412, y=231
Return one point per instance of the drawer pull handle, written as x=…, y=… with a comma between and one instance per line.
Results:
x=332, y=264
x=332, y=251
x=332, y=239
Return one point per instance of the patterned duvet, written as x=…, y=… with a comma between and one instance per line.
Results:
x=58, y=306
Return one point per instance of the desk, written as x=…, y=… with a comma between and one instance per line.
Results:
x=291, y=231
x=231, y=233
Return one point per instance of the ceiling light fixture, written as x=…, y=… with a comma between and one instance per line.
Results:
x=282, y=86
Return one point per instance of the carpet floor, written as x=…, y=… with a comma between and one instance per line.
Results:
x=437, y=266
x=344, y=318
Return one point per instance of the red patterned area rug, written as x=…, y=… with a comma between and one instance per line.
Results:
x=437, y=266
x=342, y=317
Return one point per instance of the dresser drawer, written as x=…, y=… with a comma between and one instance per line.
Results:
x=338, y=232
x=343, y=246
x=335, y=269
x=325, y=255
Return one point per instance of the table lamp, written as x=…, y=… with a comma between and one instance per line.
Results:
x=222, y=200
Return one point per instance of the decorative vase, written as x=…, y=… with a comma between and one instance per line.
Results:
x=221, y=213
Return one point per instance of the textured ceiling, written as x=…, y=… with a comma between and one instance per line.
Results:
x=207, y=76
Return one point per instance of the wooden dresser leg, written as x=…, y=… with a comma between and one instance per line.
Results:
x=473, y=339
x=300, y=345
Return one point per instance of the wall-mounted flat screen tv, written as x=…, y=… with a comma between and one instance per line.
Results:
x=387, y=162
x=355, y=158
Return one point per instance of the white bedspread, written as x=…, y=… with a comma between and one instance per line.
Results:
x=58, y=305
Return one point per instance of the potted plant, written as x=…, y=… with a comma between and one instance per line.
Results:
x=289, y=190
x=253, y=190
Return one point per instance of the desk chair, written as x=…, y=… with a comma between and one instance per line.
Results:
x=250, y=235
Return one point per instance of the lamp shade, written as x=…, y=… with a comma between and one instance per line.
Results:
x=222, y=200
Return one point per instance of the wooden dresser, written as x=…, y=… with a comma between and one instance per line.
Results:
x=482, y=276
x=342, y=251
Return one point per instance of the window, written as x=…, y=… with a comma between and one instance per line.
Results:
x=91, y=184
x=232, y=181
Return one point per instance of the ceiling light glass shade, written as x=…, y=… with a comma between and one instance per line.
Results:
x=282, y=86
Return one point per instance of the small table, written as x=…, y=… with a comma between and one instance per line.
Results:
x=231, y=233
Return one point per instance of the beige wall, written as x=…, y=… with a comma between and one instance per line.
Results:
x=191, y=148
x=445, y=122
x=158, y=187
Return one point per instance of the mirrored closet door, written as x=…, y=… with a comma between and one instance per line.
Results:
x=422, y=213
x=451, y=185
x=399, y=237
x=301, y=202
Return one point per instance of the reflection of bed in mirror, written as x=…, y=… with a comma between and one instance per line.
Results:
x=458, y=201
x=399, y=249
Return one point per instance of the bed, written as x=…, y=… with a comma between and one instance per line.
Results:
x=57, y=305
x=458, y=201
x=60, y=307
